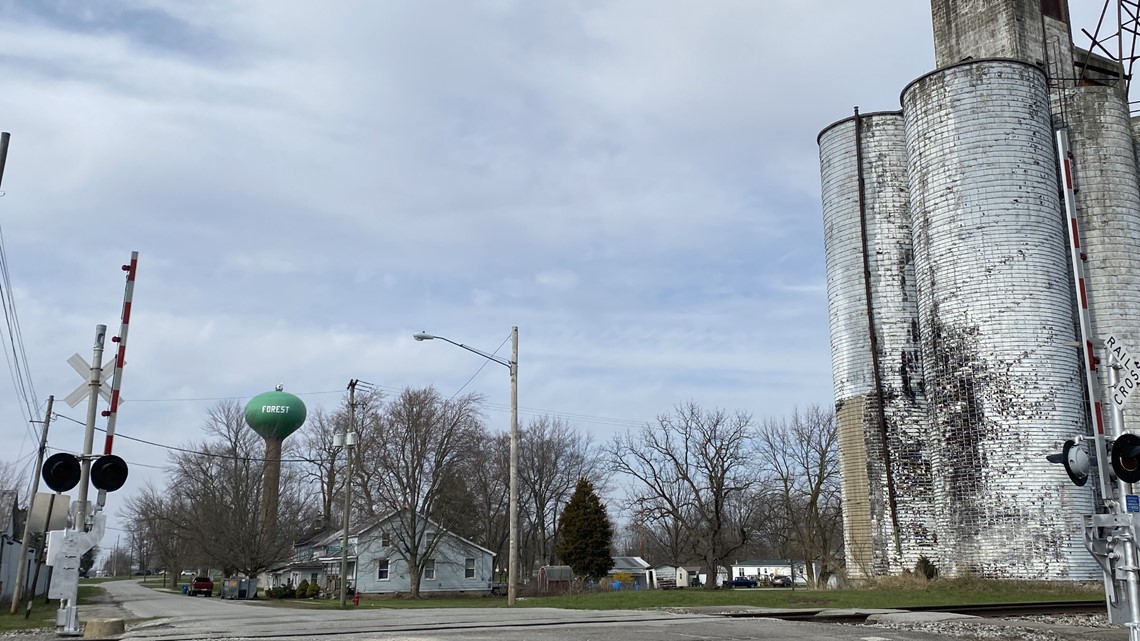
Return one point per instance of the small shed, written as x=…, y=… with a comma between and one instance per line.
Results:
x=555, y=579
x=687, y=575
x=662, y=576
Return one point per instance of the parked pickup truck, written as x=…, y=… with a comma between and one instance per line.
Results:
x=201, y=585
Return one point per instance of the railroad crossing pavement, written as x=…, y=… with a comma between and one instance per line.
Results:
x=173, y=617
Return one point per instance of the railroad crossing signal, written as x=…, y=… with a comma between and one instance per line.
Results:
x=1125, y=457
x=80, y=364
x=61, y=472
x=1075, y=458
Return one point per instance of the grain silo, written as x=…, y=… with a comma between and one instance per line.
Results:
x=996, y=317
x=879, y=395
x=1108, y=198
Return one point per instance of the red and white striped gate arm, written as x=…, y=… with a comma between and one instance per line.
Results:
x=121, y=356
x=1077, y=259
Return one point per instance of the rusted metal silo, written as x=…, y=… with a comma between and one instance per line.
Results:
x=996, y=316
x=879, y=396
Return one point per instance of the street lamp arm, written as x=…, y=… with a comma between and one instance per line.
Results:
x=491, y=357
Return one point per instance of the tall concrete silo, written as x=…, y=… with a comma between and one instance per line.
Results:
x=996, y=316
x=879, y=395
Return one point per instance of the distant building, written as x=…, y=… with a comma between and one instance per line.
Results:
x=376, y=567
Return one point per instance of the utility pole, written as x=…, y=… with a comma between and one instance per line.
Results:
x=349, y=441
x=22, y=570
x=513, y=544
x=4, y=136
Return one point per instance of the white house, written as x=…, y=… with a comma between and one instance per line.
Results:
x=721, y=575
x=375, y=565
x=316, y=558
x=764, y=569
x=455, y=565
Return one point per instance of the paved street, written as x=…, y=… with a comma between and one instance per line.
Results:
x=175, y=617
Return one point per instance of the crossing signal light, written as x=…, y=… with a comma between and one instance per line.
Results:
x=1125, y=458
x=108, y=473
x=1075, y=458
x=61, y=471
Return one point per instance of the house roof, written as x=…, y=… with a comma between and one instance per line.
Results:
x=762, y=562
x=438, y=528
x=557, y=572
x=630, y=563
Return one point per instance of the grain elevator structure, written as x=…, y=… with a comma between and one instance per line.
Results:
x=958, y=354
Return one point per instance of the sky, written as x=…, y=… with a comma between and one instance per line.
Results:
x=633, y=183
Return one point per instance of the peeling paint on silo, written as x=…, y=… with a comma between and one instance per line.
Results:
x=1108, y=199
x=872, y=302
x=996, y=316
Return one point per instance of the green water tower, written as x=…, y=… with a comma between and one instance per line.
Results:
x=274, y=415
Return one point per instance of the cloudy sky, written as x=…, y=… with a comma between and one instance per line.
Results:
x=633, y=183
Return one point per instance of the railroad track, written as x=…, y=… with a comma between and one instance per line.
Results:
x=989, y=610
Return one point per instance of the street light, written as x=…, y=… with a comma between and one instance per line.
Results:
x=513, y=365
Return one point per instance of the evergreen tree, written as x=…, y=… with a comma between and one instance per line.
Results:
x=586, y=533
x=87, y=561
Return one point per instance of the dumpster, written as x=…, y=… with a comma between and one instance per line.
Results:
x=239, y=588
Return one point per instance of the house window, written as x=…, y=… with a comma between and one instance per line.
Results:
x=382, y=571
x=741, y=572
x=385, y=540
x=429, y=569
x=469, y=568
x=313, y=577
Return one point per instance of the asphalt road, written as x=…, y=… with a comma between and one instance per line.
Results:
x=175, y=617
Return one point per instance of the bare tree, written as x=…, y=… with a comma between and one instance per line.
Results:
x=220, y=484
x=323, y=458
x=688, y=469
x=14, y=477
x=321, y=455
x=802, y=486
x=161, y=518
x=406, y=456
x=552, y=458
x=486, y=469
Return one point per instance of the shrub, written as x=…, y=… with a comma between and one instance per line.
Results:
x=925, y=568
x=303, y=589
x=314, y=590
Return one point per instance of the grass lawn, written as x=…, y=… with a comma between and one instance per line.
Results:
x=43, y=615
x=891, y=593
